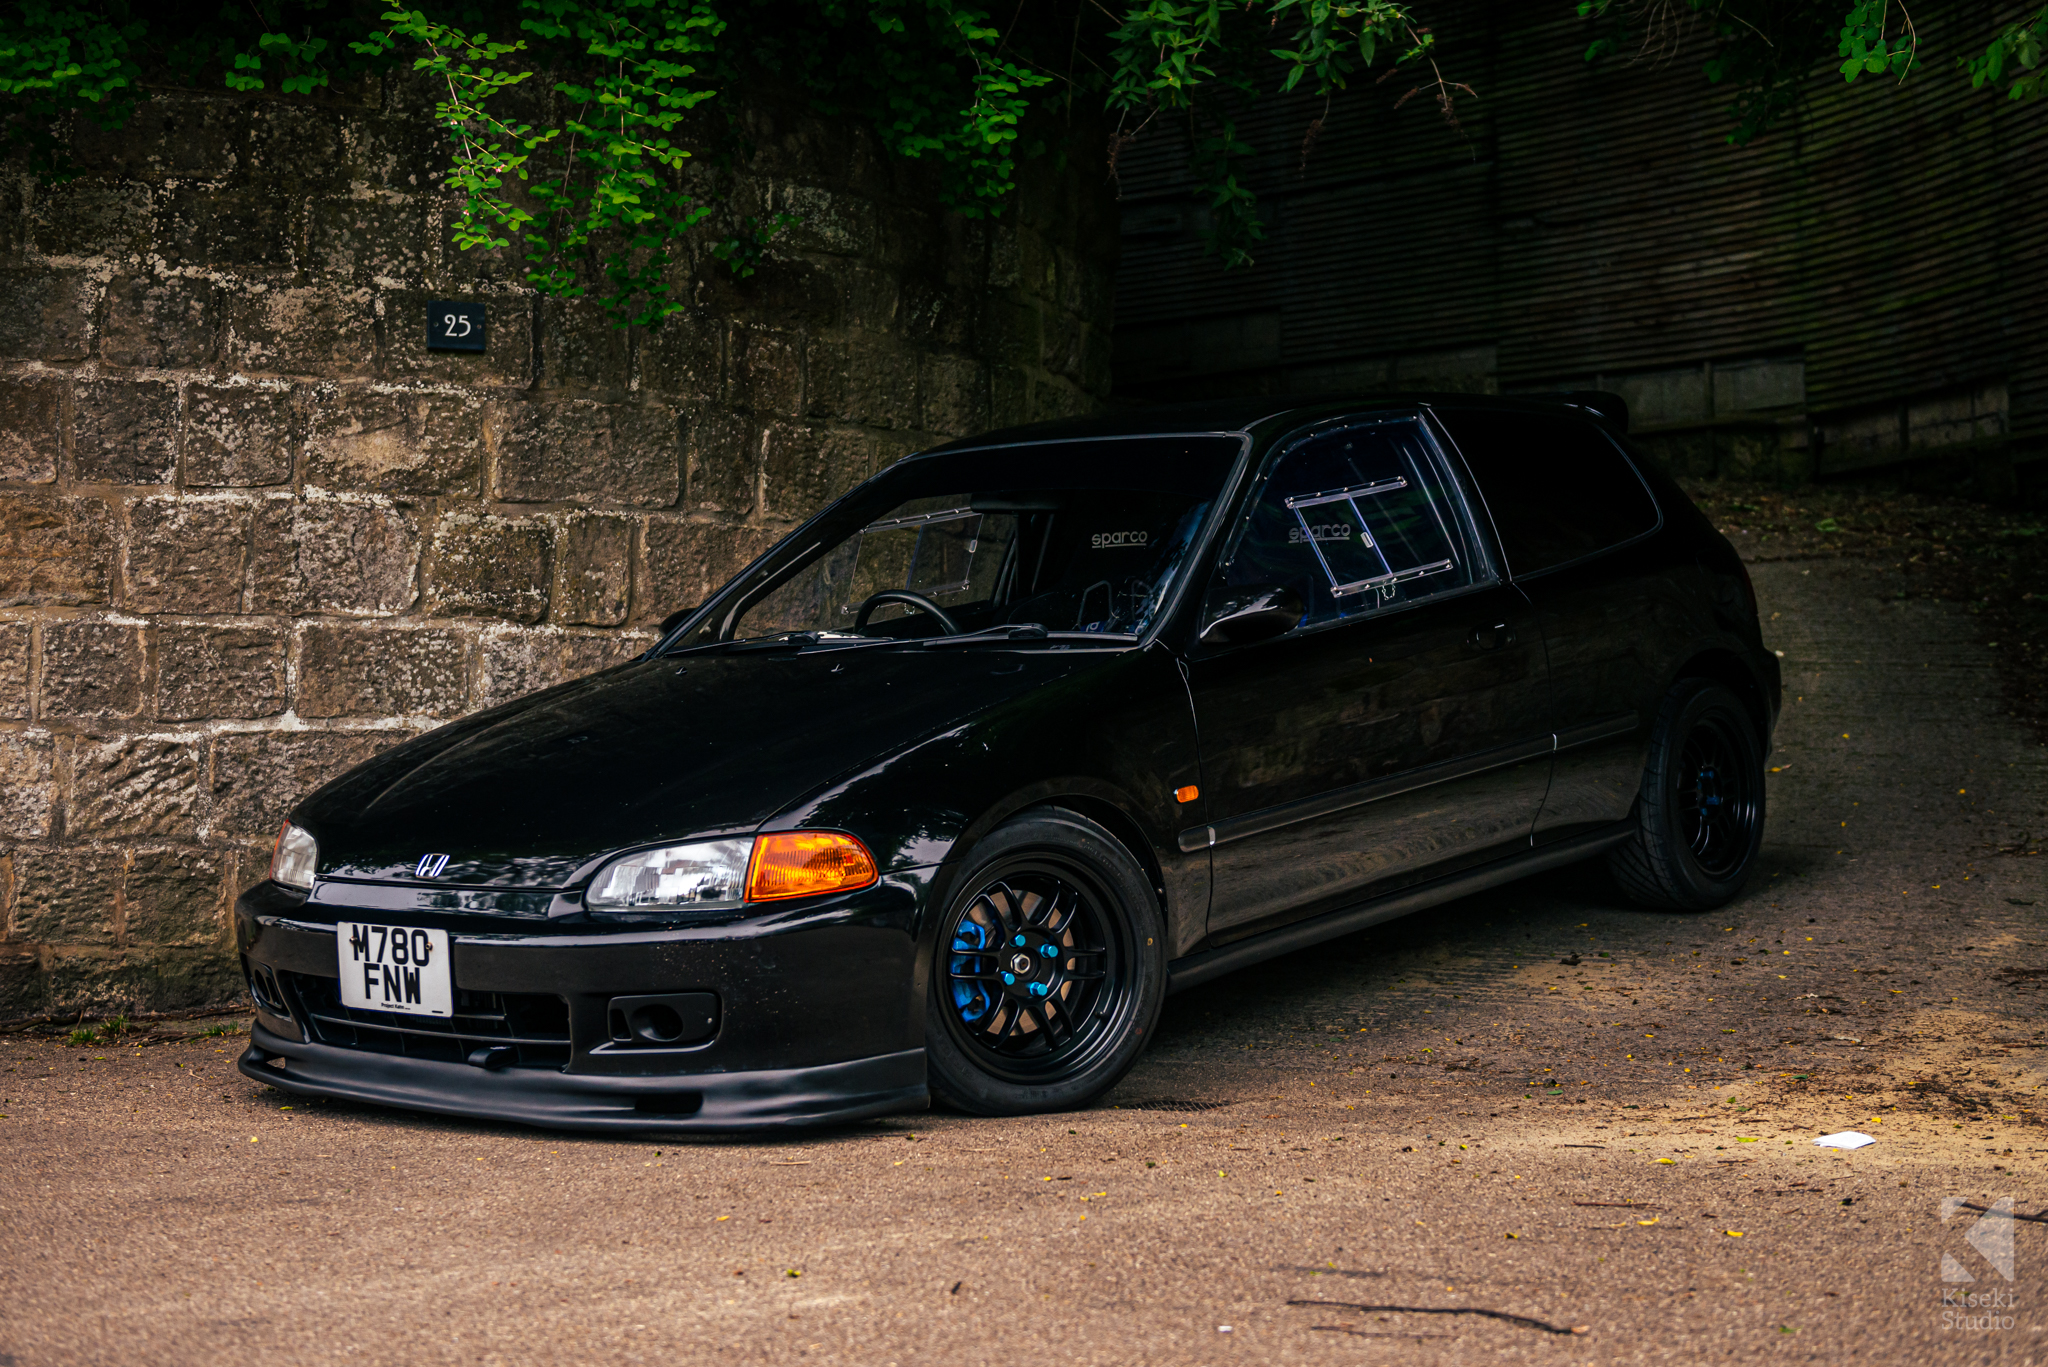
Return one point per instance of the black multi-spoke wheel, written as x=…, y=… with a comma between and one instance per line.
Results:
x=1702, y=807
x=1718, y=795
x=1033, y=968
x=1048, y=971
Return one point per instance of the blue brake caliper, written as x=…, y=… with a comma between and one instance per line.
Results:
x=970, y=999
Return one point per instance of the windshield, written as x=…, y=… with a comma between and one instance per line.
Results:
x=1086, y=537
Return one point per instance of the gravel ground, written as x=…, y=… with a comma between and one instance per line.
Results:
x=1534, y=1125
x=1990, y=561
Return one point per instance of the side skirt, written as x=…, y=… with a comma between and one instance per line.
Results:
x=1195, y=969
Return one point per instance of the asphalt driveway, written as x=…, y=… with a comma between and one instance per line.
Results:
x=1533, y=1125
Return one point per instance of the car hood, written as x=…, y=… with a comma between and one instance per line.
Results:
x=529, y=794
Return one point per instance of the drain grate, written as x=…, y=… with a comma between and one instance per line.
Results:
x=1168, y=1103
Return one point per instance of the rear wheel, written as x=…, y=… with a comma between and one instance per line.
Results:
x=1049, y=970
x=1702, y=805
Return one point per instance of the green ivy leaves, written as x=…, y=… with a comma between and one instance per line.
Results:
x=922, y=114
x=2020, y=45
x=742, y=252
x=1871, y=44
x=67, y=53
x=296, y=61
x=619, y=179
x=1197, y=59
x=613, y=184
x=1766, y=49
x=487, y=149
x=1161, y=52
x=55, y=58
x=1233, y=224
x=590, y=182
x=1332, y=40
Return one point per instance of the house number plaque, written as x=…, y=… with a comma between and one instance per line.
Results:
x=455, y=327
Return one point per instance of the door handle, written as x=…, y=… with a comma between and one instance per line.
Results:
x=1491, y=638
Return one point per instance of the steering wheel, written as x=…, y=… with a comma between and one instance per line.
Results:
x=905, y=596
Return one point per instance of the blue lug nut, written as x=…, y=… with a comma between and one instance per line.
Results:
x=1009, y=979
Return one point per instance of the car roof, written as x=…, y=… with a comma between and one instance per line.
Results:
x=1245, y=415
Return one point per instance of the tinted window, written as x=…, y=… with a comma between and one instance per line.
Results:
x=1558, y=489
x=1357, y=521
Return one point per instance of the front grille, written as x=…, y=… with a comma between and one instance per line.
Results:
x=533, y=1024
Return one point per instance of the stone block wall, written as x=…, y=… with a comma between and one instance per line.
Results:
x=252, y=530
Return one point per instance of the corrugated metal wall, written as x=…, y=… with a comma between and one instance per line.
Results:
x=1869, y=275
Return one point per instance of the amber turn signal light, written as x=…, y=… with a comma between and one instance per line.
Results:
x=806, y=863
x=1187, y=794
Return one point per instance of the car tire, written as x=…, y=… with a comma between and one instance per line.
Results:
x=1057, y=905
x=1701, y=812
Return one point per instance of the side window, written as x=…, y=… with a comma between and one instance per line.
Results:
x=1558, y=488
x=1357, y=521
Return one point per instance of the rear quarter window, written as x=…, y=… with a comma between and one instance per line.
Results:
x=1558, y=488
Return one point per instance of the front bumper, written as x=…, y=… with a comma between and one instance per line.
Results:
x=816, y=1021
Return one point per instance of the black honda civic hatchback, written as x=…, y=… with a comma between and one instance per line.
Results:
x=945, y=793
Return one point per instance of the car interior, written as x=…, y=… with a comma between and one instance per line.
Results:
x=1077, y=560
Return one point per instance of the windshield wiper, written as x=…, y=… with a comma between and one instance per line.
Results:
x=789, y=640
x=1009, y=631
x=793, y=640
x=798, y=641
x=805, y=640
x=1026, y=631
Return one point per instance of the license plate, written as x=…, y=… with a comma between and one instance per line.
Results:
x=395, y=968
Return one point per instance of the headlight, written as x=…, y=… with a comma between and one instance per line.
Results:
x=721, y=875
x=292, y=861
x=711, y=876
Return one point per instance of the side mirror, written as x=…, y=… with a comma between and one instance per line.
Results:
x=1254, y=612
x=675, y=619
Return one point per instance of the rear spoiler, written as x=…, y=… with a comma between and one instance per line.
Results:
x=1609, y=410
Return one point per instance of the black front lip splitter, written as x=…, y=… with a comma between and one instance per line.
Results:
x=706, y=1103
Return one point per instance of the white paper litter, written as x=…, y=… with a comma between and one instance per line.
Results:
x=1847, y=1139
